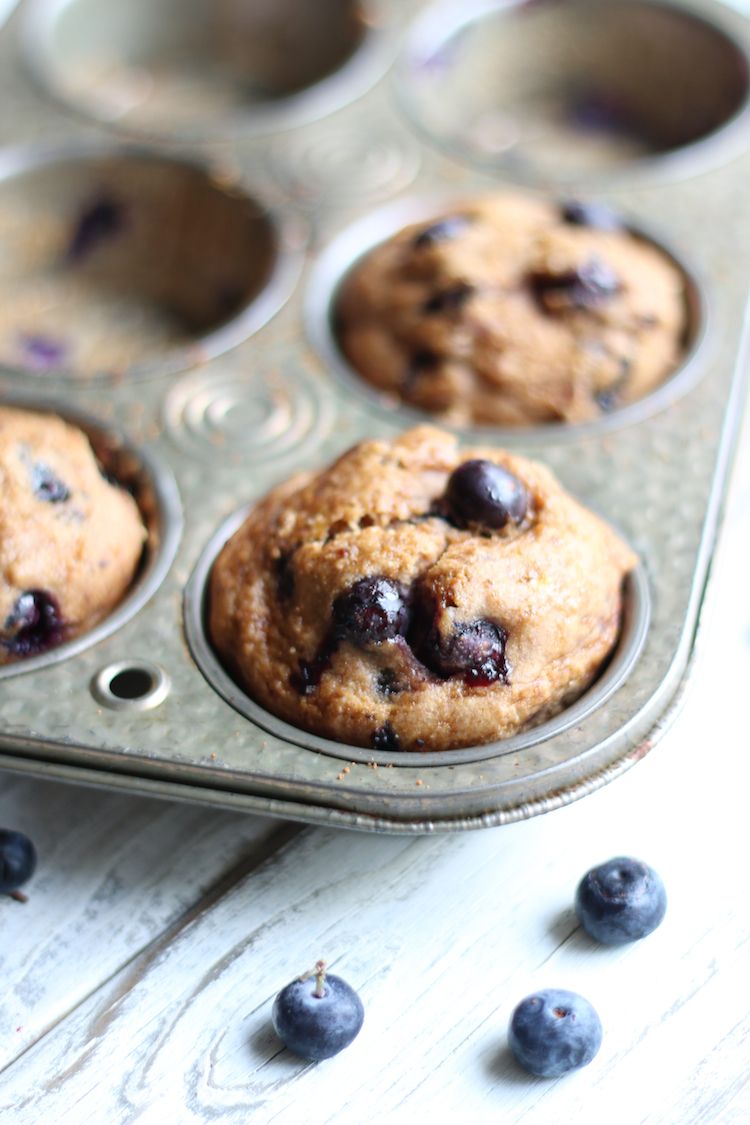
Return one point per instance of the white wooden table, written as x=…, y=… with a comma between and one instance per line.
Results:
x=137, y=981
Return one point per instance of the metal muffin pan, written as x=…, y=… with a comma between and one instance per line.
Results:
x=171, y=68
x=136, y=711
x=541, y=90
x=156, y=262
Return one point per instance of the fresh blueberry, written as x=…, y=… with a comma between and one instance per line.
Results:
x=36, y=623
x=481, y=492
x=621, y=900
x=474, y=650
x=373, y=610
x=17, y=860
x=441, y=231
x=554, y=1031
x=47, y=486
x=317, y=1015
x=588, y=286
x=449, y=300
x=598, y=216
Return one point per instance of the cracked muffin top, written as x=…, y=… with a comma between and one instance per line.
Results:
x=514, y=311
x=70, y=539
x=417, y=596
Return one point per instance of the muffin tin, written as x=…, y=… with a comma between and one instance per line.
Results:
x=232, y=384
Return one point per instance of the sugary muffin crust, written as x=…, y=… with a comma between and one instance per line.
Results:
x=416, y=596
x=70, y=541
x=514, y=311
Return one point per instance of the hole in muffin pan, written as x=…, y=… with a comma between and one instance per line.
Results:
x=541, y=90
x=198, y=70
x=130, y=685
x=120, y=263
x=633, y=632
x=154, y=488
x=353, y=243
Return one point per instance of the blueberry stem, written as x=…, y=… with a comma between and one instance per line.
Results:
x=19, y=896
x=319, y=972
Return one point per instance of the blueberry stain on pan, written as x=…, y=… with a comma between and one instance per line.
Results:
x=98, y=223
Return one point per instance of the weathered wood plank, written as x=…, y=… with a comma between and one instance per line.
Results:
x=113, y=872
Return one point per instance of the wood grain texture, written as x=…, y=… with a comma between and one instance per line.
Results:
x=113, y=873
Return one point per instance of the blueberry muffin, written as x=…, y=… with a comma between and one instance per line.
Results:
x=514, y=311
x=416, y=596
x=70, y=541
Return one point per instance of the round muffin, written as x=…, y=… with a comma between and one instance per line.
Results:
x=415, y=596
x=513, y=311
x=70, y=541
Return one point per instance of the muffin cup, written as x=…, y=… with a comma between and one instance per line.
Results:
x=155, y=491
x=632, y=636
x=224, y=69
x=351, y=245
x=121, y=263
x=549, y=92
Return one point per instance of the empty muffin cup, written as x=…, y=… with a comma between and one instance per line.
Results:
x=224, y=68
x=121, y=263
x=509, y=311
x=53, y=492
x=553, y=92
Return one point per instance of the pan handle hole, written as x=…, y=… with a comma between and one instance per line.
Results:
x=130, y=685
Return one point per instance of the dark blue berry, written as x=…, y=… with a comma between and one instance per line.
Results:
x=588, y=286
x=47, y=486
x=441, y=231
x=36, y=623
x=424, y=360
x=481, y=492
x=554, y=1031
x=309, y=673
x=387, y=682
x=284, y=576
x=371, y=611
x=100, y=221
x=620, y=901
x=386, y=738
x=317, y=1015
x=474, y=650
x=449, y=300
x=17, y=860
x=598, y=216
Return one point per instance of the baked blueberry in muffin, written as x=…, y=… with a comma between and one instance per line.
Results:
x=415, y=595
x=515, y=311
x=70, y=540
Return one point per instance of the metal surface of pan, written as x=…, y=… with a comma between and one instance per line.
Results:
x=143, y=707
